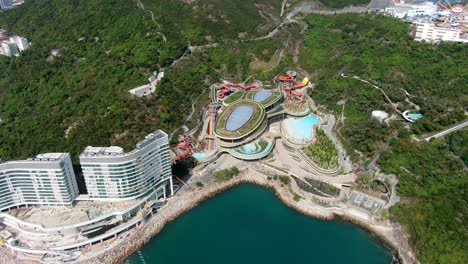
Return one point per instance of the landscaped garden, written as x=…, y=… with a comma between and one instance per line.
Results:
x=323, y=151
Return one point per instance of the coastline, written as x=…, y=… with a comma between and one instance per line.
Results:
x=391, y=235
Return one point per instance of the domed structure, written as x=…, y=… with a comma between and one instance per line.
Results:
x=380, y=115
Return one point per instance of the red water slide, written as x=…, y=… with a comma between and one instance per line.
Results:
x=226, y=88
x=286, y=78
x=298, y=95
x=298, y=86
x=185, y=147
x=247, y=88
x=188, y=153
x=184, y=143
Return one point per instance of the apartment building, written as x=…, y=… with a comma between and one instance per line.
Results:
x=47, y=179
x=431, y=33
x=112, y=174
x=6, y=4
x=9, y=49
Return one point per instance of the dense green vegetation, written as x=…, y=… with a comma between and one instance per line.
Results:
x=284, y=179
x=226, y=174
x=343, y=3
x=234, y=97
x=214, y=20
x=316, y=187
x=323, y=151
x=107, y=48
x=432, y=185
x=380, y=49
x=365, y=180
x=458, y=145
x=432, y=176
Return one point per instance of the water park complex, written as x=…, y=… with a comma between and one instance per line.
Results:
x=245, y=120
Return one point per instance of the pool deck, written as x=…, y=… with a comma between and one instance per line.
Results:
x=255, y=156
x=287, y=127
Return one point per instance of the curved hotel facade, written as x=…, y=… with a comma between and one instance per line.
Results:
x=47, y=179
x=112, y=174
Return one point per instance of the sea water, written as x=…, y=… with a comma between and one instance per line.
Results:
x=248, y=224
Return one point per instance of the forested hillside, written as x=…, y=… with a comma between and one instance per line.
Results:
x=380, y=49
x=432, y=185
x=103, y=48
x=106, y=47
x=343, y=3
x=432, y=176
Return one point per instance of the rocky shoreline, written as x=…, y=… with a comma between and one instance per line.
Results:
x=391, y=235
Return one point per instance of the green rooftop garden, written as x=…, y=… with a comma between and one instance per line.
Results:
x=257, y=117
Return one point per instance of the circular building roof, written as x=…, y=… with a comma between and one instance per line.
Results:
x=265, y=97
x=262, y=96
x=239, y=117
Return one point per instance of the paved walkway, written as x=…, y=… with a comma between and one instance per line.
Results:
x=448, y=131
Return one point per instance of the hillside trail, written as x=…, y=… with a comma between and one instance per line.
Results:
x=140, y=5
x=304, y=8
x=292, y=16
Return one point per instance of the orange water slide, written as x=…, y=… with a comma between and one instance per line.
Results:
x=286, y=78
x=184, y=144
x=224, y=91
x=243, y=87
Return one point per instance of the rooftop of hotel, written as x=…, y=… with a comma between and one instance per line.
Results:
x=114, y=151
x=45, y=157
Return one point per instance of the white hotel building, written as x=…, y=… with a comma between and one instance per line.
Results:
x=111, y=174
x=431, y=33
x=12, y=46
x=47, y=179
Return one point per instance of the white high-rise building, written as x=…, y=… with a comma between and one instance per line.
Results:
x=5, y=4
x=47, y=179
x=21, y=42
x=9, y=49
x=112, y=174
x=431, y=33
x=3, y=33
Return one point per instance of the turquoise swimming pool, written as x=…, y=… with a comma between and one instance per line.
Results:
x=258, y=148
x=415, y=116
x=301, y=129
x=198, y=155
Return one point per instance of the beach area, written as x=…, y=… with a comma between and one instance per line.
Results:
x=391, y=234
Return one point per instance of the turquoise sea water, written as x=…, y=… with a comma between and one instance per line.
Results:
x=248, y=224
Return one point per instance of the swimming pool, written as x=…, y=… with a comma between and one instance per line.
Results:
x=198, y=155
x=262, y=96
x=415, y=116
x=300, y=129
x=254, y=150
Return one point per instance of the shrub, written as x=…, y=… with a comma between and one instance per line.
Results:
x=226, y=174
x=285, y=180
